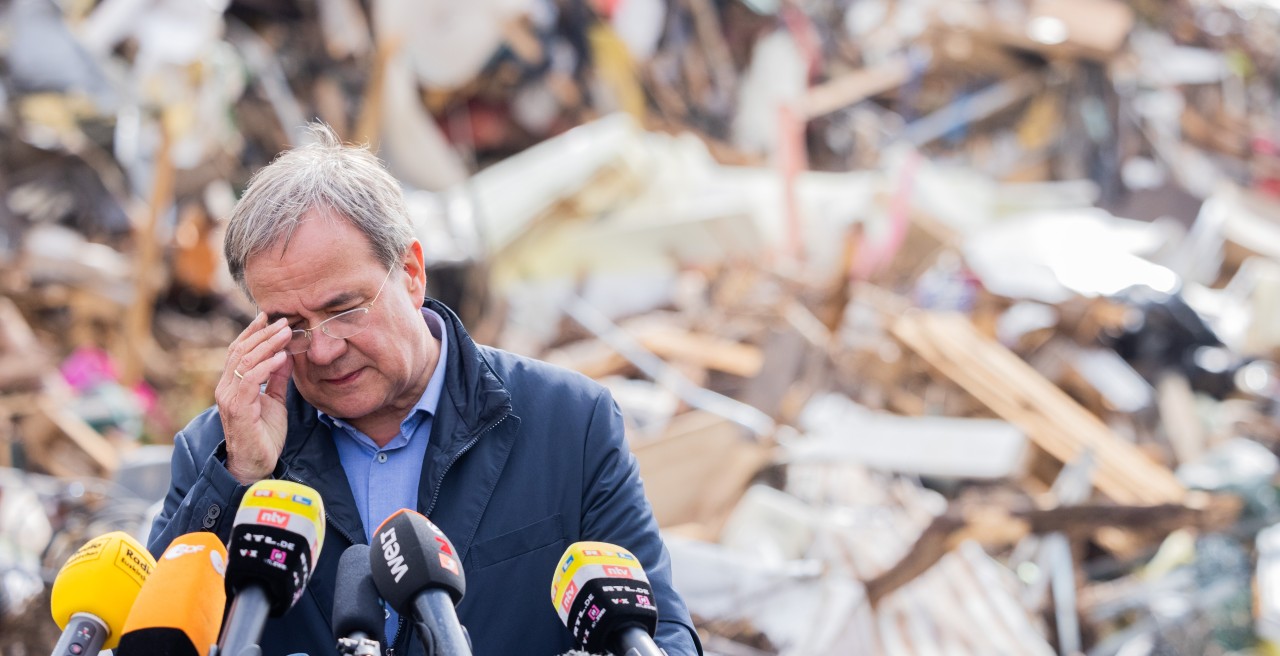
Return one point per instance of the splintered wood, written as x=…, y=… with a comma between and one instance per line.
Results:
x=1053, y=420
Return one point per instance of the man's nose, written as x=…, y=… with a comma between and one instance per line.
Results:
x=325, y=349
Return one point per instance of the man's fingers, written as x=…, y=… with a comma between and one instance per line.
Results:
x=278, y=379
x=254, y=349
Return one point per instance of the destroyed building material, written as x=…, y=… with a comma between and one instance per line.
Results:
x=696, y=472
x=662, y=373
x=943, y=447
x=1021, y=396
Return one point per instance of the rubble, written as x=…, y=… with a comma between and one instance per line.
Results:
x=938, y=327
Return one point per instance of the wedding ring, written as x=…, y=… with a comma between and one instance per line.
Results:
x=238, y=374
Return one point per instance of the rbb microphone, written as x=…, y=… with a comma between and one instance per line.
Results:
x=275, y=541
x=604, y=598
x=358, y=618
x=94, y=591
x=418, y=573
x=179, y=610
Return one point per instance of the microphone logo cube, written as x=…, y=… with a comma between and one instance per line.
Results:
x=444, y=544
x=618, y=572
x=449, y=564
x=180, y=550
x=278, y=556
x=570, y=594
x=594, y=613
x=273, y=518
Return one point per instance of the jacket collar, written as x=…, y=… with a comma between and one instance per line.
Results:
x=474, y=399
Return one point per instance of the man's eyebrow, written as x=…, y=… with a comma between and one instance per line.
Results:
x=336, y=301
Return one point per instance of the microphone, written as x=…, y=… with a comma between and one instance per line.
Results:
x=358, y=618
x=417, y=572
x=94, y=591
x=604, y=598
x=275, y=541
x=179, y=610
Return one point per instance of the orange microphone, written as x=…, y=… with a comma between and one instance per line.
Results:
x=95, y=590
x=179, y=610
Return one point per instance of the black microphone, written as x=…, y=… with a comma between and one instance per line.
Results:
x=358, y=618
x=418, y=573
x=604, y=598
x=274, y=544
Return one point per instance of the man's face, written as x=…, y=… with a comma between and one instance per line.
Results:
x=327, y=267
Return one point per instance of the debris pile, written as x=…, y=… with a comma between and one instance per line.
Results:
x=937, y=326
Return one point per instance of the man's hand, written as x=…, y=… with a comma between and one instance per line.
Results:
x=254, y=421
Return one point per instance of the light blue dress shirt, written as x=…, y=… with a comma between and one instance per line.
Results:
x=384, y=480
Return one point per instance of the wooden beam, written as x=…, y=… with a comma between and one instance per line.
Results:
x=994, y=526
x=699, y=469
x=1019, y=394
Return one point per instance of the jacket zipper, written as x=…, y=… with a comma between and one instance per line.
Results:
x=399, y=624
x=435, y=495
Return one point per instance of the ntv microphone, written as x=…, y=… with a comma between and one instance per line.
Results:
x=358, y=618
x=417, y=572
x=179, y=610
x=604, y=598
x=94, y=591
x=275, y=541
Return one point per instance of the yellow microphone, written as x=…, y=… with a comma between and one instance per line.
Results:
x=179, y=610
x=95, y=590
x=604, y=598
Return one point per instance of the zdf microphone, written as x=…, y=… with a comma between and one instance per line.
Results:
x=94, y=591
x=275, y=542
x=358, y=618
x=179, y=610
x=604, y=598
x=419, y=574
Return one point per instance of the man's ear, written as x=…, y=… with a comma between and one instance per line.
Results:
x=414, y=264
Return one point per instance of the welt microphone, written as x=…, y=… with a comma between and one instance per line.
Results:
x=275, y=541
x=604, y=598
x=179, y=610
x=94, y=591
x=358, y=618
x=417, y=572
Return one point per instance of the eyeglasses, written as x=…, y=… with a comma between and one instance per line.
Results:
x=342, y=325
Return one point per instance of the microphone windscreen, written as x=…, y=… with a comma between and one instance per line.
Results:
x=102, y=578
x=179, y=611
x=409, y=554
x=275, y=541
x=599, y=588
x=356, y=604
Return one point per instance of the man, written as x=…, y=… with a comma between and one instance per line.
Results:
x=350, y=382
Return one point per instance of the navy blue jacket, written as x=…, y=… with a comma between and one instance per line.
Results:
x=524, y=459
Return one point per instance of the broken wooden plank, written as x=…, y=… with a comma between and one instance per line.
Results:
x=1017, y=393
x=664, y=374
x=994, y=526
x=707, y=351
x=852, y=88
x=64, y=445
x=1091, y=29
x=22, y=360
x=698, y=470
